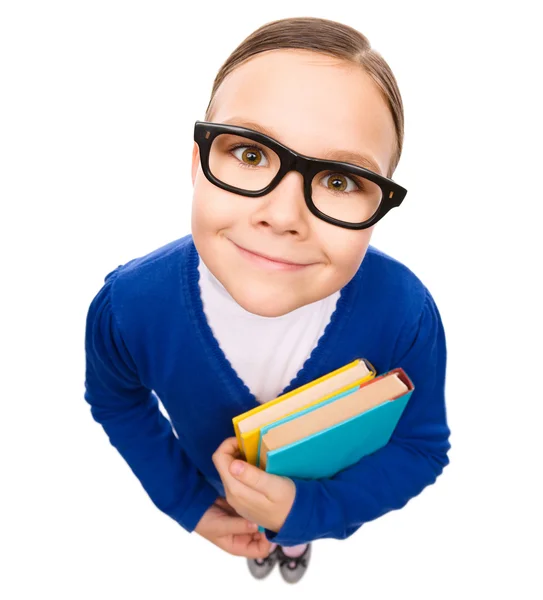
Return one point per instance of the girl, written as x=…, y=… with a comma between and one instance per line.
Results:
x=275, y=286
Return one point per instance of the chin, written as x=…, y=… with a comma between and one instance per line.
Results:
x=263, y=303
x=273, y=311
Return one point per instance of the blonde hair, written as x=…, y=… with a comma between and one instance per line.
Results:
x=325, y=37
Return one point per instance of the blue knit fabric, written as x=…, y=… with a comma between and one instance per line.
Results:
x=147, y=338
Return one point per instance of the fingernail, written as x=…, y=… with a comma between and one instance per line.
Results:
x=253, y=525
x=237, y=467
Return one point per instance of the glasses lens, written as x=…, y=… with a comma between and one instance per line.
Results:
x=242, y=162
x=345, y=196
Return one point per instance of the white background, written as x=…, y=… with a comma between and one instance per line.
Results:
x=97, y=107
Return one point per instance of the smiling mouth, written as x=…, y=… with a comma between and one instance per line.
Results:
x=270, y=262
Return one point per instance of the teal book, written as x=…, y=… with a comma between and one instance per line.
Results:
x=328, y=437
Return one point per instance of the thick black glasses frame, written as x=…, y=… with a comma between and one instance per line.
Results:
x=205, y=132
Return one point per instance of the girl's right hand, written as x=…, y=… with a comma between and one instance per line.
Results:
x=222, y=526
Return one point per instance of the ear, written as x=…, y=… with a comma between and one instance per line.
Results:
x=195, y=161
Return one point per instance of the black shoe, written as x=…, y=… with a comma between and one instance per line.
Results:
x=262, y=567
x=293, y=569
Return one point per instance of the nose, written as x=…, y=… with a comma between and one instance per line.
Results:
x=284, y=208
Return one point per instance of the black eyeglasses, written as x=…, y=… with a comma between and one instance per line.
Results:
x=249, y=163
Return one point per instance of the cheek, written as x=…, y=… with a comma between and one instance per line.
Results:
x=212, y=208
x=346, y=250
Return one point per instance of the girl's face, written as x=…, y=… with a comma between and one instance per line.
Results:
x=312, y=103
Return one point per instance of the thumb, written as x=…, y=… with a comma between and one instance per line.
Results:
x=251, y=476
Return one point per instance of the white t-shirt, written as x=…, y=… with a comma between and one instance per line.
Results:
x=266, y=352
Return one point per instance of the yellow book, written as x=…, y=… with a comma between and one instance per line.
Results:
x=247, y=425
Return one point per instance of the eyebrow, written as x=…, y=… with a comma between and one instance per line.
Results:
x=330, y=154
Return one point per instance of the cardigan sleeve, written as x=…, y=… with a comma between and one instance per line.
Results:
x=387, y=479
x=130, y=416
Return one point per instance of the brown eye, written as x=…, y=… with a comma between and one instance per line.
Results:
x=251, y=156
x=337, y=182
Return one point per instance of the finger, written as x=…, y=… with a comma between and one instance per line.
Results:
x=229, y=446
x=226, y=453
x=235, y=525
x=242, y=545
x=244, y=499
x=251, y=546
x=261, y=545
x=222, y=459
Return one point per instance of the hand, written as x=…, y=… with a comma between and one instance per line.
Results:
x=255, y=495
x=222, y=526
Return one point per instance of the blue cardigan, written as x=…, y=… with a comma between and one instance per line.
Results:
x=147, y=337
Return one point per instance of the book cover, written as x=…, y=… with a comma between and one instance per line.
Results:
x=328, y=451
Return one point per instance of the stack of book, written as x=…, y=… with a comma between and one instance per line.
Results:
x=327, y=425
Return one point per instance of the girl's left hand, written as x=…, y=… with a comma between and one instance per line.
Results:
x=258, y=496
